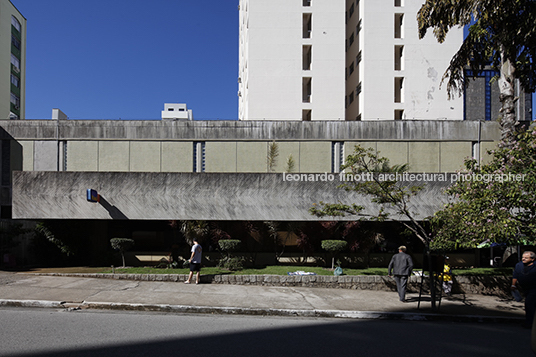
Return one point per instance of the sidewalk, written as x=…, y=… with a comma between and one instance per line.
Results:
x=21, y=289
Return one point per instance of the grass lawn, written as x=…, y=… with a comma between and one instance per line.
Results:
x=269, y=270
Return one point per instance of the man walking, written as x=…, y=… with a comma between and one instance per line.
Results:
x=525, y=276
x=195, y=263
x=401, y=266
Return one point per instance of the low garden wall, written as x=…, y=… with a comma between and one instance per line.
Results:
x=493, y=285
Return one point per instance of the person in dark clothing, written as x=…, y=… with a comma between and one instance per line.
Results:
x=525, y=276
x=401, y=266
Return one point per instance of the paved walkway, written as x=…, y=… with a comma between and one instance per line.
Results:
x=22, y=289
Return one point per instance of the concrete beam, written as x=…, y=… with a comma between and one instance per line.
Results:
x=401, y=130
x=191, y=196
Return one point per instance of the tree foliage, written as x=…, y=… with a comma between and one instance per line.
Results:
x=493, y=202
x=388, y=194
x=122, y=245
x=496, y=27
x=501, y=34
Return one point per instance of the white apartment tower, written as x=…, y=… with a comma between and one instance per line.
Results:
x=12, y=61
x=341, y=60
x=292, y=60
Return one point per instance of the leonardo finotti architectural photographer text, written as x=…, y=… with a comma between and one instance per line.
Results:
x=406, y=176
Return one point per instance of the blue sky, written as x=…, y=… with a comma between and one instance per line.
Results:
x=111, y=59
x=123, y=59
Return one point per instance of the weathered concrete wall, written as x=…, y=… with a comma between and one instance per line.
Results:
x=405, y=130
x=189, y=196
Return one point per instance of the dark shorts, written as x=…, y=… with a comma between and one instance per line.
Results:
x=195, y=266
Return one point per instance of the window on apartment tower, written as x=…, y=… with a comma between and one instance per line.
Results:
x=306, y=2
x=351, y=11
x=399, y=58
x=399, y=3
x=15, y=42
x=399, y=90
x=307, y=57
x=399, y=25
x=307, y=114
x=15, y=62
x=351, y=69
x=15, y=23
x=307, y=25
x=14, y=80
x=307, y=89
x=399, y=114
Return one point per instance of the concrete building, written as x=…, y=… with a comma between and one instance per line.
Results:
x=292, y=59
x=142, y=161
x=341, y=60
x=12, y=62
x=391, y=74
x=481, y=98
x=177, y=111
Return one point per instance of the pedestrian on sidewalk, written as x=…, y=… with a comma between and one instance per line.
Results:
x=447, y=278
x=195, y=263
x=525, y=276
x=401, y=265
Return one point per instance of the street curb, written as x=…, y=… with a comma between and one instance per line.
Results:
x=32, y=303
x=369, y=315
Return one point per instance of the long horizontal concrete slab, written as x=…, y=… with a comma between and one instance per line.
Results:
x=406, y=130
x=197, y=196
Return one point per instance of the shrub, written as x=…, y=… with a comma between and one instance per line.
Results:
x=229, y=245
x=334, y=247
x=122, y=245
x=231, y=263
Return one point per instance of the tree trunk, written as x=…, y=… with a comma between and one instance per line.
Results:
x=508, y=115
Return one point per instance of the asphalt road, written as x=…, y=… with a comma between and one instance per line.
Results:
x=60, y=333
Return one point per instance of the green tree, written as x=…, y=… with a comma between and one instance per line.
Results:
x=122, y=245
x=334, y=247
x=271, y=158
x=194, y=230
x=494, y=202
x=391, y=196
x=501, y=34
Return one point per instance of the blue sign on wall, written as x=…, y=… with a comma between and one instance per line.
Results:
x=92, y=195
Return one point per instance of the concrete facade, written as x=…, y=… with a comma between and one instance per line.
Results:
x=12, y=62
x=133, y=149
x=341, y=60
x=391, y=73
x=291, y=62
x=192, y=196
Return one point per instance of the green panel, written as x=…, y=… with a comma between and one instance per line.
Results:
x=485, y=146
x=453, y=155
x=251, y=156
x=114, y=156
x=177, y=156
x=145, y=156
x=315, y=156
x=220, y=156
x=395, y=151
x=82, y=155
x=424, y=157
x=286, y=149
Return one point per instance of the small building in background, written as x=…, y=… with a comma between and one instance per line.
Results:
x=177, y=111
